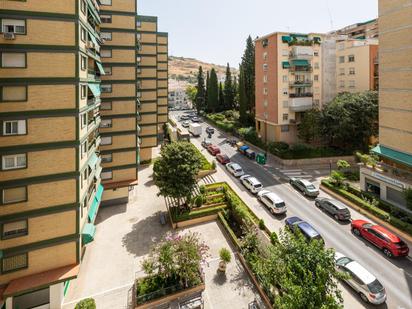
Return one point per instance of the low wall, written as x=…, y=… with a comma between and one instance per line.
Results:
x=195, y=221
x=205, y=173
x=167, y=299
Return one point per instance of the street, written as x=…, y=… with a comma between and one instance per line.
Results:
x=394, y=274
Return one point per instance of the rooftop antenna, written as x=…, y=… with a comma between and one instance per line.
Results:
x=330, y=14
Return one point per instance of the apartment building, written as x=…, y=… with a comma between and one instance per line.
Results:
x=394, y=174
x=357, y=67
x=288, y=82
x=50, y=187
x=152, y=73
x=365, y=30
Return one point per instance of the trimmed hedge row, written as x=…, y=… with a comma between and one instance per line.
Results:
x=380, y=213
x=230, y=232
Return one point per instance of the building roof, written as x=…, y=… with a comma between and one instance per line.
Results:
x=394, y=155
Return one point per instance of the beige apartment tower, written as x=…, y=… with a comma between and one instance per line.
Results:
x=395, y=109
x=288, y=82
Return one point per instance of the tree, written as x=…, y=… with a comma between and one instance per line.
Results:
x=176, y=170
x=207, y=92
x=212, y=92
x=235, y=93
x=88, y=303
x=200, y=91
x=228, y=90
x=243, y=107
x=337, y=178
x=342, y=165
x=221, y=104
x=191, y=92
x=248, y=64
x=309, y=128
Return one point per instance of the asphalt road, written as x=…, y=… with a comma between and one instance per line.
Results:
x=394, y=274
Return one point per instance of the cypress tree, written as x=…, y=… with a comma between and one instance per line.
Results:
x=200, y=95
x=221, y=98
x=207, y=103
x=242, y=97
x=213, y=92
x=235, y=93
x=228, y=91
x=248, y=64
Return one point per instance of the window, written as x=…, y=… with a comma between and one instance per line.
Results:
x=316, y=54
x=83, y=34
x=17, y=26
x=106, y=106
x=83, y=6
x=341, y=59
x=108, y=70
x=316, y=65
x=284, y=128
x=138, y=36
x=265, y=42
x=316, y=78
x=265, y=56
x=107, y=19
x=15, y=262
x=341, y=46
x=13, y=93
x=106, y=140
x=341, y=71
x=139, y=94
x=351, y=84
x=285, y=91
x=14, y=229
x=265, y=103
x=341, y=84
x=285, y=117
x=286, y=104
x=83, y=63
x=138, y=24
x=106, y=36
x=351, y=71
x=106, y=123
x=83, y=91
x=107, y=53
x=265, y=67
x=106, y=175
x=106, y=2
x=14, y=127
x=83, y=120
x=259, y=125
x=265, y=90
x=351, y=58
x=285, y=52
x=14, y=195
x=14, y=161
x=13, y=60
x=265, y=78
x=106, y=88
x=83, y=149
x=106, y=158
x=285, y=78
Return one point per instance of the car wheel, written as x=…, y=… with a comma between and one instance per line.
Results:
x=336, y=217
x=356, y=232
x=387, y=252
x=304, y=193
x=317, y=204
x=364, y=298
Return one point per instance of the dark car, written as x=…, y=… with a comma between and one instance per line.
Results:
x=295, y=223
x=210, y=130
x=222, y=158
x=250, y=154
x=335, y=208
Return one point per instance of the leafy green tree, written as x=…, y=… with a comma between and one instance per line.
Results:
x=88, y=303
x=191, y=93
x=243, y=105
x=200, y=99
x=212, y=92
x=309, y=128
x=228, y=90
x=248, y=64
x=235, y=93
x=342, y=165
x=337, y=178
x=176, y=170
x=221, y=98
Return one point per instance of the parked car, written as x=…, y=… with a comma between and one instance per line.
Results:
x=250, y=154
x=210, y=130
x=185, y=124
x=272, y=201
x=242, y=149
x=222, y=158
x=389, y=243
x=251, y=183
x=295, y=223
x=335, y=208
x=361, y=280
x=213, y=149
x=305, y=186
x=195, y=119
x=231, y=141
x=184, y=117
x=235, y=169
x=206, y=142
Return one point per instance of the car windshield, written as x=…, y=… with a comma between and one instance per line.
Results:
x=280, y=205
x=375, y=286
x=343, y=261
x=258, y=185
x=311, y=187
x=400, y=244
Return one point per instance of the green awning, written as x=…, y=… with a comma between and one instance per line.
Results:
x=91, y=35
x=95, y=89
x=286, y=38
x=93, y=160
x=300, y=62
x=397, y=156
x=94, y=208
x=285, y=64
x=93, y=11
x=99, y=65
x=88, y=233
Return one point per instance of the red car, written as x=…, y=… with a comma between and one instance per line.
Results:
x=389, y=243
x=222, y=158
x=213, y=149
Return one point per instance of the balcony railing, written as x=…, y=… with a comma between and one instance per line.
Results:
x=92, y=75
x=300, y=104
x=301, y=69
x=301, y=95
x=301, y=83
x=390, y=171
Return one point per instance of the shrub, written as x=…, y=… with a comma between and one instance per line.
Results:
x=87, y=303
x=199, y=200
x=408, y=197
x=274, y=238
x=261, y=224
x=278, y=147
x=251, y=136
x=225, y=255
x=202, y=189
x=213, y=165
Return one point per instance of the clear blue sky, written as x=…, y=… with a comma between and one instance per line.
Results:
x=215, y=30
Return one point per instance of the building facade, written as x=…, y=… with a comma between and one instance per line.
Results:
x=50, y=164
x=288, y=82
x=394, y=174
x=365, y=30
x=357, y=68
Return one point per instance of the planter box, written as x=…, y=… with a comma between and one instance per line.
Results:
x=195, y=221
x=205, y=173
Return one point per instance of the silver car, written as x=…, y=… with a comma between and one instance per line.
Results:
x=305, y=186
x=361, y=280
x=251, y=183
x=272, y=201
x=235, y=169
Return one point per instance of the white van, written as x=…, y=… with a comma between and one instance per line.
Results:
x=272, y=201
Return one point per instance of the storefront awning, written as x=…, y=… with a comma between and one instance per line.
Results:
x=300, y=62
x=94, y=208
x=95, y=89
x=88, y=233
x=101, y=70
x=397, y=156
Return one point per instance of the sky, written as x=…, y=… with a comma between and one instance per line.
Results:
x=215, y=31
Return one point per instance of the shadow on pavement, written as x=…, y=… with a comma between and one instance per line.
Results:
x=360, y=302
x=109, y=211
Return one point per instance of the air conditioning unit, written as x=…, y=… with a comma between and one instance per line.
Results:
x=9, y=36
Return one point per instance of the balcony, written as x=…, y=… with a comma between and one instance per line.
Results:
x=301, y=52
x=304, y=69
x=301, y=83
x=301, y=95
x=93, y=101
x=300, y=104
x=92, y=75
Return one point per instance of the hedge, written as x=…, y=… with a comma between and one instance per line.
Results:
x=230, y=232
x=197, y=213
x=380, y=213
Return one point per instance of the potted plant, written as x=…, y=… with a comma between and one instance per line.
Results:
x=225, y=258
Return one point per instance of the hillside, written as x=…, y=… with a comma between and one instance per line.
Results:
x=182, y=68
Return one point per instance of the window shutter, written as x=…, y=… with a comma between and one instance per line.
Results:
x=22, y=127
